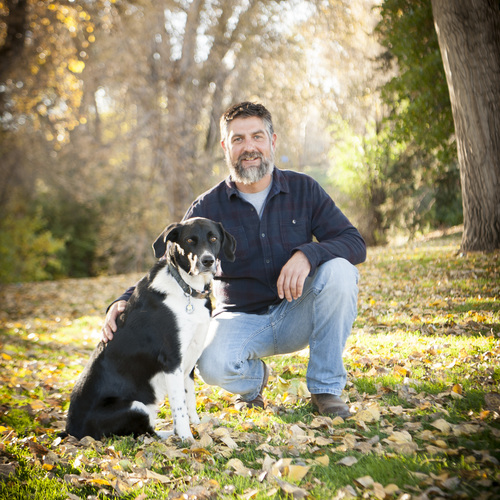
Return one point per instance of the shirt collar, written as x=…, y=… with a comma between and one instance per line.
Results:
x=280, y=184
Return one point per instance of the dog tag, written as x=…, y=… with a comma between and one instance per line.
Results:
x=189, y=308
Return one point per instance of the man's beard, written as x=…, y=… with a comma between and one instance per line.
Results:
x=249, y=175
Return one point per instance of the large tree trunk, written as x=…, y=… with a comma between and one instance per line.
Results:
x=469, y=39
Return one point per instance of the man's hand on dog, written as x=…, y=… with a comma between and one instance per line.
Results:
x=290, y=286
x=292, y=276
x=109, y=327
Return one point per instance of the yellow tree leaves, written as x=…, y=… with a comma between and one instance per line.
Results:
x=42, y=83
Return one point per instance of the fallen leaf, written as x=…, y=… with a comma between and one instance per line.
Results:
x=379, y=491
x=229, y=442
x=291, y=489
x=7, y=470
x=371, y=414
x=348, y=461
x=442, y=425
x=157, y=477
x=365, y=481
x=297, y=472
x=237, y=465
x=391, y=489
x=492, y=401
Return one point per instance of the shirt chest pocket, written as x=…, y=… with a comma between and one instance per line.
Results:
x=295, y=232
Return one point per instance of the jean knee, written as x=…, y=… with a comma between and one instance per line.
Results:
x=209, y=369
x=340, y=277
x=215, y=368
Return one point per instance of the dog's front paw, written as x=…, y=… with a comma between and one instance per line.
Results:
x=194, y=419
x=187, y=437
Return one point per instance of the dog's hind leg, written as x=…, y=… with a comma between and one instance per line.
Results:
x=177, y=400
x=120, y=418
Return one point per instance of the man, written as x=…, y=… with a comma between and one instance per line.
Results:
x=284, y=291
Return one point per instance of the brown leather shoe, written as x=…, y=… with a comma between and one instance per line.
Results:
x=258, y=402
x=328, y=404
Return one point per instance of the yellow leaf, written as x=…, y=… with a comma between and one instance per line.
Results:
x=323, y=460
x=441, y=444
x=6, y=356
x=76, y=66
x=99, y=481
x=401, y=370
x=297, y=472
x=37, y=405
x=47, y=466
x=484, y=414
x=457, y=388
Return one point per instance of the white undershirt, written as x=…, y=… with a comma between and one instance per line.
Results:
x=257, y=199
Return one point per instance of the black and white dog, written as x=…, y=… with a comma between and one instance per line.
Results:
x=159, y=339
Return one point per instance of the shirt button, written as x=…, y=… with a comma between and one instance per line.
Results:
x=263, y=235
x=267, y=261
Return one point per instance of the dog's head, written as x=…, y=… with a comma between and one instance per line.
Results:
x=196, y=244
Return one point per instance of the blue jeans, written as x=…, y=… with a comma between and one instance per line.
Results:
x=321, y=318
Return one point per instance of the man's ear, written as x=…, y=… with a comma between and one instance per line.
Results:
x=228, y=244
x=170, y=233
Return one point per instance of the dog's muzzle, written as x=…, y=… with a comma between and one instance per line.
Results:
x=206, y=263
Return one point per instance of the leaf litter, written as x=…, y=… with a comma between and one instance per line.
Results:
x=401, y=345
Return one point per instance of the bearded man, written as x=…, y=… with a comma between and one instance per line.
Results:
x=285, y=290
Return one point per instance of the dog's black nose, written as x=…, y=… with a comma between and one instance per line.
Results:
x=208, y=261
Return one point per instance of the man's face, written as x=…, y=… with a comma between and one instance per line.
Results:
x=249, y=150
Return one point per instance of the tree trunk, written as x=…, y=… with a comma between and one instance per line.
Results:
x=469, y=39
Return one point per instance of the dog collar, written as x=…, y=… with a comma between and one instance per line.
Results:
x=187, y=289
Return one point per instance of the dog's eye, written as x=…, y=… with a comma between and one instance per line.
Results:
x=190, y=241
x=213, y=239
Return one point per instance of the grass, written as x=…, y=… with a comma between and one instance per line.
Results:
x=423, y=386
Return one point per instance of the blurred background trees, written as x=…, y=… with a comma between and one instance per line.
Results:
x=109, y=114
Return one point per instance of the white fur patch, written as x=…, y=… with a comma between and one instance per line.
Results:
x=192, y=330
x=149, y=410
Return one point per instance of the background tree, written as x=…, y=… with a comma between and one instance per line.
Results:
x=469, y=38
x=109, y=117
x=424, y=184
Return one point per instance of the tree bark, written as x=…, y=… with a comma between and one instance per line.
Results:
x=469, y=39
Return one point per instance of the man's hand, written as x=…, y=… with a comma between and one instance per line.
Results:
x=109, y=326
x=292, y=276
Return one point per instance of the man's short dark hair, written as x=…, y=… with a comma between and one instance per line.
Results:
x=246, y=110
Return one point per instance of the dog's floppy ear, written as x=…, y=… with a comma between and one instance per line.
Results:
x=228, y=244
x=171, y=233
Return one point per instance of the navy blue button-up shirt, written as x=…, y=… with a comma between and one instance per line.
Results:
x=298, y=215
